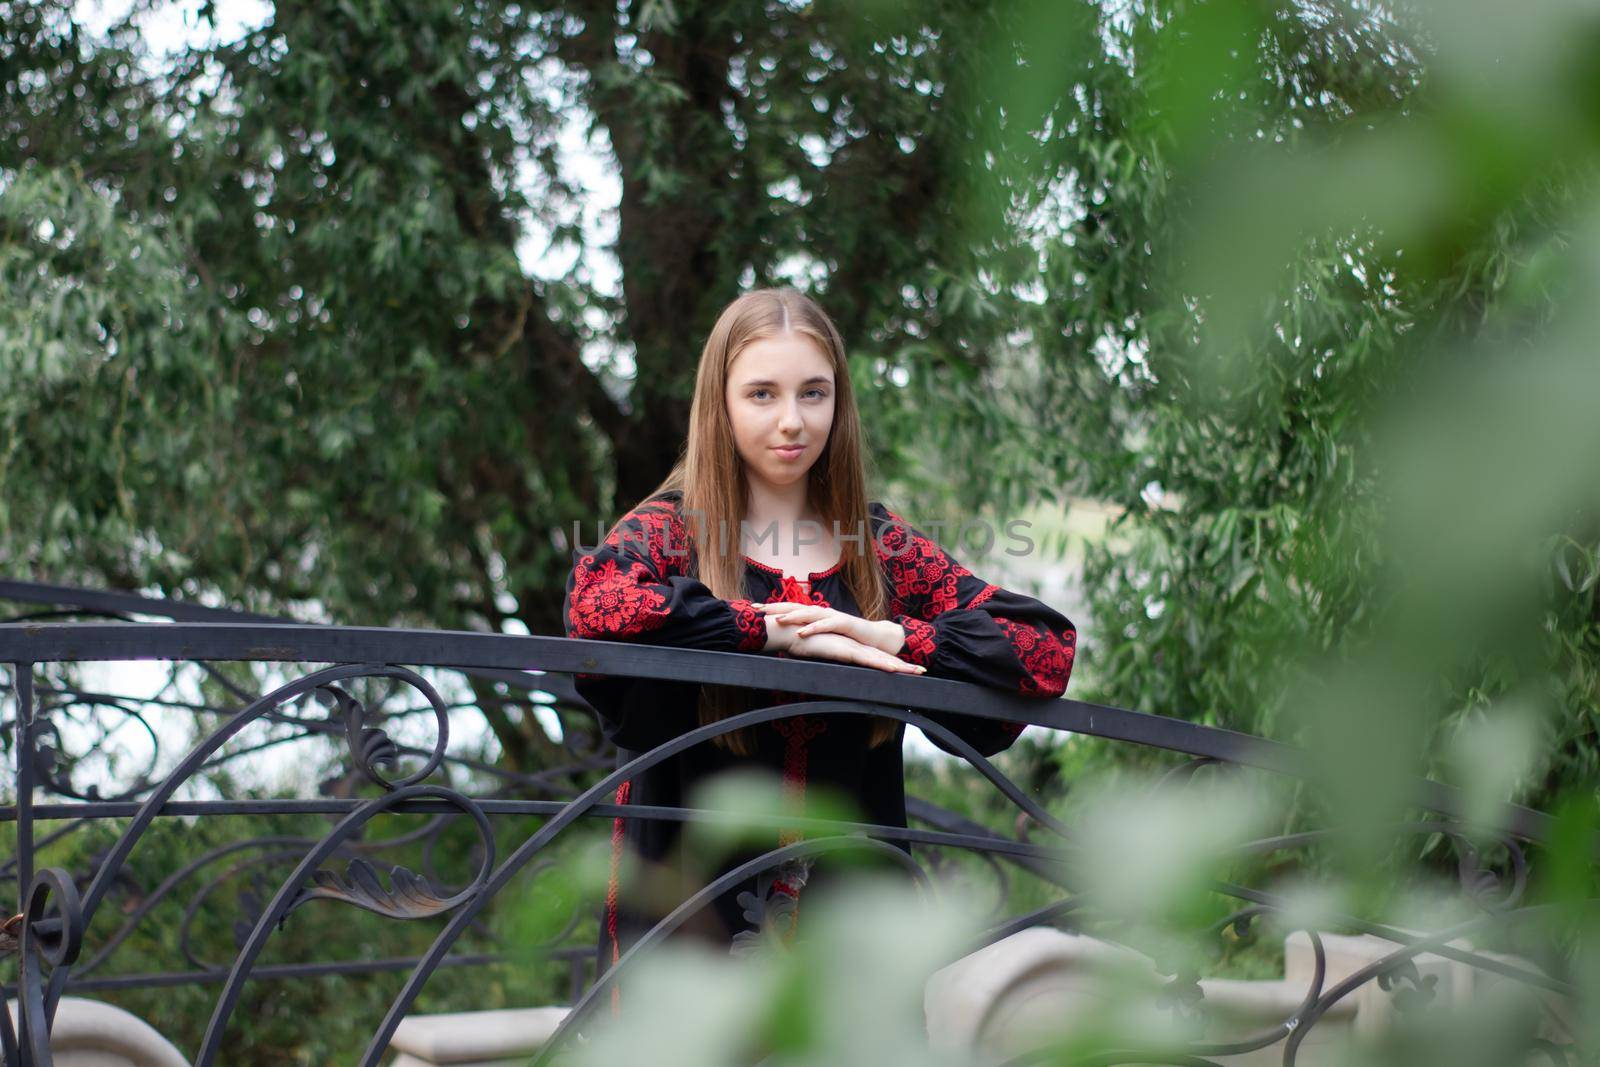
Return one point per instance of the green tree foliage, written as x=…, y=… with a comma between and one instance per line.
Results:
x=268, y=338
x=270, y=322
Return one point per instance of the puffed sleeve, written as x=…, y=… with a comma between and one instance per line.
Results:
x=961, y=627
x=630, y=588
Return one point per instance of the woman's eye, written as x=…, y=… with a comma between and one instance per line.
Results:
x=757, y=394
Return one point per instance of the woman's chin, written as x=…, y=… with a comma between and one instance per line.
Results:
x=788, y=476
x=782, y=474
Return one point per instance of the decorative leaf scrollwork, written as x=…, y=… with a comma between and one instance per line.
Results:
x=1184, y=998
x=1418, y=990
x=772, y=909
x=410, y=898
x=373, y=750
x=370, y=747
x=11, y=934
x=1486, y=887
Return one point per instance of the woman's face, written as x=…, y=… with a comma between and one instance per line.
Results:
x=780, y=396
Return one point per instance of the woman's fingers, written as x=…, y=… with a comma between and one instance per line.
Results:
x=877, y=657
x=844, y=649
x=815, y=620
x=796, y=613
x=815, y=615
x=807, y=614
x=885, y=662
x=825, y=646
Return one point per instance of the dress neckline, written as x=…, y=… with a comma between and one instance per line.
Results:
x=676, y=497
x=807, y=580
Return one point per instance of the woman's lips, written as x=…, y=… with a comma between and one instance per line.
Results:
x=794, y=452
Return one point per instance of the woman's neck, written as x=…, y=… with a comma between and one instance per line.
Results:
x=783, y=504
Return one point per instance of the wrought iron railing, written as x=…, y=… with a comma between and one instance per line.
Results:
x=45, y=695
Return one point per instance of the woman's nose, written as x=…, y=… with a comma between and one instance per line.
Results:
x=790, y=419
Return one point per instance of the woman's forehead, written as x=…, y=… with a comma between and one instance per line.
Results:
x=784, y=359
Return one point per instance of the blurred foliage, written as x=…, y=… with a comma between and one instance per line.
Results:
x=1354, y=392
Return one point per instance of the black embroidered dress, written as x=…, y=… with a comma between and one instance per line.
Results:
x=633, y=587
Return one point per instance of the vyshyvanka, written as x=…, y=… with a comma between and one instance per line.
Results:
x=638, y=586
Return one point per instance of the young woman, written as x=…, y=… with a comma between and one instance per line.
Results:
x=775, y=446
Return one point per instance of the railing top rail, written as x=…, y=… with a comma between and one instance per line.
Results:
x=47, y=642
x=115, y=601
x=455, y=649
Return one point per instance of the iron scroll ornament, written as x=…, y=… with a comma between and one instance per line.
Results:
x=404, y=1000
x=197, y=758
x=232, y=642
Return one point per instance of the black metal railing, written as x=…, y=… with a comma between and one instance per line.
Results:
x=321, y=683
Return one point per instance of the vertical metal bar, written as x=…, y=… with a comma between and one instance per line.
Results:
x=22, y=674
x=22, y=685
x=577, y=967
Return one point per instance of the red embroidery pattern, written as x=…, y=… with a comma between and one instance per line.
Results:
x=1047, y=660
x=752, y=626
x=607, y=602
x=798, y=733
x=919, y=644
x=792, y=590
x=922, y=578
x=657, y=530
x=612, y=888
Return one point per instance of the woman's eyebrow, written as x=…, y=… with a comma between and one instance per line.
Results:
x=818, y=379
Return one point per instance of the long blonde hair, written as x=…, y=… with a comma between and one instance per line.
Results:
x=710, y=476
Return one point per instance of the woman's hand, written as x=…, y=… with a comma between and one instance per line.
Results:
x=786, y=637
x=886, y=635
x=842, y=649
